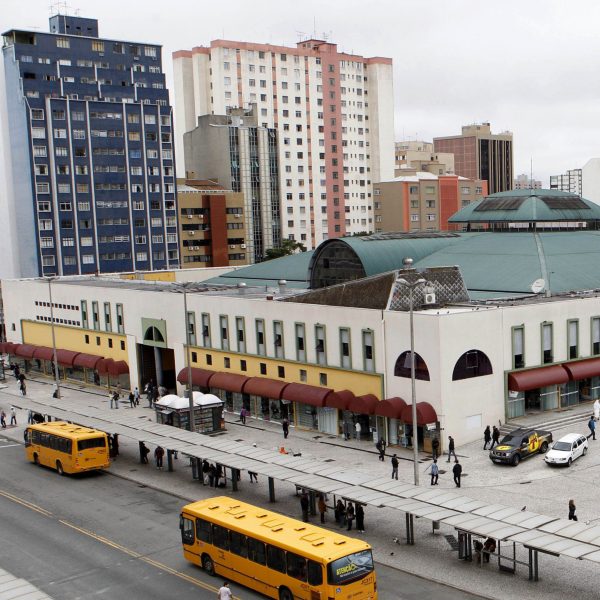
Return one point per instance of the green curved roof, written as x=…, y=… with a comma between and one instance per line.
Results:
x=528, y=206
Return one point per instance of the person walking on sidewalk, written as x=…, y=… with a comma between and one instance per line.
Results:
x=131, y=400
x=457, y=472
x=357, y=429
x=304, y=506
x=13, y=415
x=136, y=396
x=144, y=451
x=322, y=507
x=3, y=419
x=495, y=436
x=592, y=428
x=394, y=467
x=487, y=437
x=435, y=472
x=243, y=415
x=23, y=387
x=360, y=518
x=346, y=430
x=435, y=448
x=451, y=451
x=158, y=457
x=285, y=425
x=572, y=509
x=380, y=445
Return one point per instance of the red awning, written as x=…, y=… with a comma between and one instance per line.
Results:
x=118, y=367
x=425, y=414
x=339, y=400
x=391, y=407
x=3, y=349
x=103, y=364
x=25, y=350
x=307, y=394
x=200, y=377
x=43, y=353
x=264, y=387
x=364, y=405
x=9, y=347
x=231, y=382
x=66, y=357
x=521, y=381
x=583, y=369
x=86, y=361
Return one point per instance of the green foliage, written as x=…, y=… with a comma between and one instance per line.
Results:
x=287, y=247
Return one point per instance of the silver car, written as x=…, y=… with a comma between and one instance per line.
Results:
x=567, y=449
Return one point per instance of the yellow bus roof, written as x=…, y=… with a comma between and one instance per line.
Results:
x=67, y=430
x=268, y=526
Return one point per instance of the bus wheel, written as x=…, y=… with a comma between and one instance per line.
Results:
x=36, y=459
x=208, y=565
x=59, y=468
x=285, y=594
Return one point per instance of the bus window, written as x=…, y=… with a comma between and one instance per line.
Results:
x=349, y=568
x=204, y=531
x=315, y=573
x=276, y=558
x=238, y=544
x=296, y=566
x=221, y=537
x=187, y=531
x=256, y=551
x=91, y=443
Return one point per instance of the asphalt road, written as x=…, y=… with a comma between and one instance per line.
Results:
x=100, y=536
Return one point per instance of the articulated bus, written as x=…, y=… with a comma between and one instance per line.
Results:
x=275, y=555
x=66, y=447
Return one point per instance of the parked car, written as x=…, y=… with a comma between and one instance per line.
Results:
x=567, y=449
x=519, y=444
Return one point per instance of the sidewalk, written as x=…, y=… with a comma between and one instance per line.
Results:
x=433, y=556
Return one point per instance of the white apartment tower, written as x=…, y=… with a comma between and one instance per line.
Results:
x=333, y=114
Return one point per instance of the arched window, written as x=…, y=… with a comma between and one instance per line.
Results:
x=473, y=363
x=153, y=335
x=402, y=367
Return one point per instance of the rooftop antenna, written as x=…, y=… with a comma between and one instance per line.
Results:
x=301, y=35
x=531, y=173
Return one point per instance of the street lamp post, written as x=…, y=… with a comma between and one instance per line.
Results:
x=184, y=286
x=412, y=285
x=55, y=361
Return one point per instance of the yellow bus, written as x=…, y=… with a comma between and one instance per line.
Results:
x=66, y=447
x=275, y=555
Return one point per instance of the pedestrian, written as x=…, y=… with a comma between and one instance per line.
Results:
x=495, y=436
x=23, y=387
x=360, y=518
x=592, y=428
x=243, y=415
x=285, y=425
x=435, y=472
x=205, y=472
x=395, y=467
x=322, y=507
x=136, y=396
x=17, y=372
x=144, y=451
x=357, y=429
x=457, y=471
x=487, y=437
x=572, y=509
x=115, y=399
x=253, y=477
x=597, y=409
x=131, y=399
x=55, y=391
x=30, y=420
x=109, y=439
x=13, y=415
x=435, y=448
x=212, y=475
x=224, y=592
x=115, y=439
x=96, y=378
x=158, y=457
x=149, y=389
x=119, y=390
x=339, y=512
x=380, y=445
x=3, y=419
x=451, y=448
x=350, y=515
x=304, y=506
x=346, y=430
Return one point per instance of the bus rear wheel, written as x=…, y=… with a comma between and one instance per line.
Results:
x=208, y=565
x=285, y=594
x=59, y=468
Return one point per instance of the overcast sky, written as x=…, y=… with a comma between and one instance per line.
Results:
x=528, y=66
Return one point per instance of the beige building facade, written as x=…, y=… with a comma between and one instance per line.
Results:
x=421, y=156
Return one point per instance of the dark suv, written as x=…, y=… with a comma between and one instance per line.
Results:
x=519, y=444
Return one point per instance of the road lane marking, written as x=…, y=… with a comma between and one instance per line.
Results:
x=25, y=503
x=9, y=445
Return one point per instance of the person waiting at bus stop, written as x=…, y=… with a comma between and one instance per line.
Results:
x=158, y=456
x=304, y=506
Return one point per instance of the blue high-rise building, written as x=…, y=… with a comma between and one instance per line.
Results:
x=89, y=154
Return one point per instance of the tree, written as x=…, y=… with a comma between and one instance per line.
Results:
x=286, y=248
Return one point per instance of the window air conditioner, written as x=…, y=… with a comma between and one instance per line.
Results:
x=242, y=245
x=189, y=216
x=430, y=298
x=237, y=216
x=192, y=232
x=232, y=245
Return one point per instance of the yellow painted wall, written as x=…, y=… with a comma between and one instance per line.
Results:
x=73, y=338
x=358, y=382
x=153, y=276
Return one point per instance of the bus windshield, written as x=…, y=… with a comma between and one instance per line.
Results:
x=350, y=568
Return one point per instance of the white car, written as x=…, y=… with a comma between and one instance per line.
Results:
x=567, y=449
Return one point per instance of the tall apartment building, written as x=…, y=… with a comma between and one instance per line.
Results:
x=334, y=117
x=90, y=174
x=480, y=154
x=584, y=181
x=421, y=156
x=524, y=182
x=421, y=201
x=212, y=228
x=233, y=150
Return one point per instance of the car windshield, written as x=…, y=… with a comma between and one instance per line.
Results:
x=564, y=446
x=510, y=440
x=350, y=568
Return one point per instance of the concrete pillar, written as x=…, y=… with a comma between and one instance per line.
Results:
x=158, y=365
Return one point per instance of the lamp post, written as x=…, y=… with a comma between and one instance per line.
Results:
x=183, y=287
x=412, y=285
x=50, y=279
